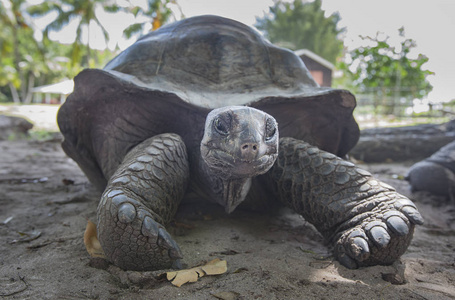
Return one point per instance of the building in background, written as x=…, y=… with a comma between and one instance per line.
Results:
x=320, y=69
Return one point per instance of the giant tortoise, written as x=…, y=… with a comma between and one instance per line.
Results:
x=206, y=106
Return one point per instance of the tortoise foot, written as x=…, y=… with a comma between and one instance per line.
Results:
x=382, y=237
x=131, y=237
x=141, y=197
x=436, y=174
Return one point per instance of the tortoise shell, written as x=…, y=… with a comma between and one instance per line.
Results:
x=170, y=79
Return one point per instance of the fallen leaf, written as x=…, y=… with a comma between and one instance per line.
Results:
x=214, y=267
x=27, y=236
x=91, y=242
x=179, y=278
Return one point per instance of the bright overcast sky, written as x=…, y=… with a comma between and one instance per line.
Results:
x=430, y=23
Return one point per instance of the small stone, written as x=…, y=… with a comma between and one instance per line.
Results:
x=393, y=278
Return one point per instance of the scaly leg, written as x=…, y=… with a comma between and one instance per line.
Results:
x=141, y=197
x=366, y=221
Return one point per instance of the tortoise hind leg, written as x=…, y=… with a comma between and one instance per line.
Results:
x=366, y=221
x=141, y=197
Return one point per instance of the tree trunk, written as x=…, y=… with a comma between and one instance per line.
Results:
x=29, y=95
x=17, y=58
x=402, y=143
x=14, y=93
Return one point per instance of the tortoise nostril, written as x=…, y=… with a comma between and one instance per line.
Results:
x=249, y=151
x=249, y=147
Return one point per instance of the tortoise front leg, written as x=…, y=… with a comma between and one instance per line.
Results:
x=141, y=197
x=366, y=221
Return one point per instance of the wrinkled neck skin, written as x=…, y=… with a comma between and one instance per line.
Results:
x=229, y=192
x=239, y=143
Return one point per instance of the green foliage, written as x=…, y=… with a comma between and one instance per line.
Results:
x=22, y=58
x=84, y=12
x=24, y=61
x=303, y=25
x=157, y=13
x=389, y=71
x=42, y=135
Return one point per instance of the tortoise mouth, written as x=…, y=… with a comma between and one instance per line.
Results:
x=233, y=166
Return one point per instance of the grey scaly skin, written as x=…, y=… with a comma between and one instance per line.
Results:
x=140, y=199
x=435, y=174
x=365, y=220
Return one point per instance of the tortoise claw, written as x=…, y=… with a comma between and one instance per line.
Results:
x=353, y=248
x=130, y=237
x=413, y=215
x=177, y=264
x=150, y=228
x=359, y=249
x=165, y=241
x=380, y=236
x=375, y=241
x=408, y=208
x=398, y=225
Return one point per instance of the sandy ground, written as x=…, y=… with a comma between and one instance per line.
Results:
x=45, y=201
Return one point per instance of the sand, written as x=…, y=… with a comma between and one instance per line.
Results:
x=45, y=202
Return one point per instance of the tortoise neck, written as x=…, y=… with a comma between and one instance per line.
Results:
x=234, y=192
x=229, y=192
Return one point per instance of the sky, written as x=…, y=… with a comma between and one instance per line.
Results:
x=431, y=23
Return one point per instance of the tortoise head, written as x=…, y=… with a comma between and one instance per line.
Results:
x=239, y=143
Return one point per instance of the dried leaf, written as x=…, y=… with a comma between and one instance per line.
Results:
x=184, y=276
x=91, y=242
x=214, y=267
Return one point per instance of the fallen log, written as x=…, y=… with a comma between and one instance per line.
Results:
x=402, y=143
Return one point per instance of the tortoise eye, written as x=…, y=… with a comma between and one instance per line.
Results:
x=270, y=129
x=221, y=126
